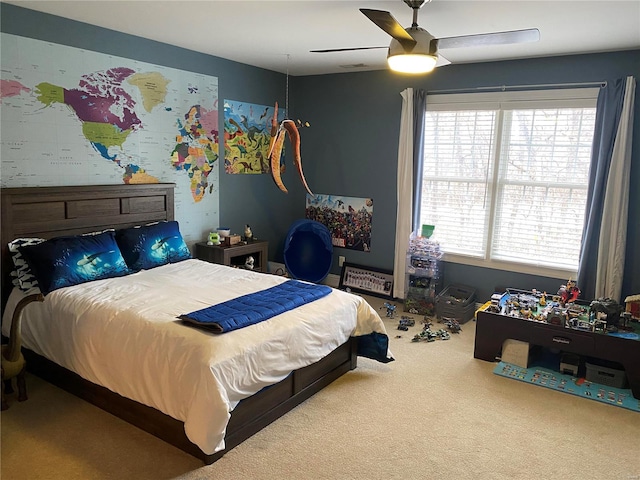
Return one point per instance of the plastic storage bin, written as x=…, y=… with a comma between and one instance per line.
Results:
x=605, y=373
x=456, y=301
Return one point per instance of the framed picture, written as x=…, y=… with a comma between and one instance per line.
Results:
x=368, y=280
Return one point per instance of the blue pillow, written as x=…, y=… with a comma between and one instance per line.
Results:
x=152, y=245
x=65, y=261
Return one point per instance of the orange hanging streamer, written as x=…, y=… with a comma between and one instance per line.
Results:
x=274, y=158
x=294, y=138
x=276, y=144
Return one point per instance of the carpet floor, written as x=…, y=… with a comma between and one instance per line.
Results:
x=436, y=412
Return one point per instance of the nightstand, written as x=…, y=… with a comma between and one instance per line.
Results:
x=235, y=255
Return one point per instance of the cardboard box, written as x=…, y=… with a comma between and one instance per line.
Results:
x=516, y=353
x=232, y=240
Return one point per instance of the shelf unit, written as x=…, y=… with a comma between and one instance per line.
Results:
x=422, y=275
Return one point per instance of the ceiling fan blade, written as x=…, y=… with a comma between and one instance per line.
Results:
x=330, y=50
x=497, y=38
x=389, y=24
x=441, y=62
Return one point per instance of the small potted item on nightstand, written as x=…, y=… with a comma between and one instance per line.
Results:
x=224, y=232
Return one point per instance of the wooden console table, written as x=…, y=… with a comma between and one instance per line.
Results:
x=492, y=329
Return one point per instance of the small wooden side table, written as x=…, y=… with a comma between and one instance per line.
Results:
x=235, y=255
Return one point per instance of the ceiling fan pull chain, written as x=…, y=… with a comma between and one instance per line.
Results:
x=286, y=98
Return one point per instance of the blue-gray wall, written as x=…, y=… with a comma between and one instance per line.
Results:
x=351, y=147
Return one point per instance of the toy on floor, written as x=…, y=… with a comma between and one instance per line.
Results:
x=391, y=309
x=405, y=322
x=427, y=335
x=452, y=324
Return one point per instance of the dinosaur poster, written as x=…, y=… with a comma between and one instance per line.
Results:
x=247, y=131
x=347, y=218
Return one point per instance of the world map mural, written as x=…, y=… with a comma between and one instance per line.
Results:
x=76, y=117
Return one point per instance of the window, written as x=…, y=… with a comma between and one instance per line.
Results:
x=505, y=177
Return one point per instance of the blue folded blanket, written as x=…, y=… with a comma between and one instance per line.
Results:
x=255, y=307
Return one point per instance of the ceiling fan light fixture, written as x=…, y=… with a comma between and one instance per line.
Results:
x=412, y=62
x=417, y=59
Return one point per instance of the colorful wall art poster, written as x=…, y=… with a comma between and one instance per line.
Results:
x=247, y=132
x=347, y=218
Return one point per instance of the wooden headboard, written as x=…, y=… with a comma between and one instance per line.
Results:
x=47, y=212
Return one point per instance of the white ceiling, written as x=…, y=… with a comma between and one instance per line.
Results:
x=277, y=35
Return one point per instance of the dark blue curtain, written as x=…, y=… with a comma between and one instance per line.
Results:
x=419, y=108
x=608, y=113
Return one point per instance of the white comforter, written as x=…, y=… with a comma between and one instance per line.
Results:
x=123, y=333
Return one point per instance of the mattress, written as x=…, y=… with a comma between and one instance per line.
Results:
x=124, y=334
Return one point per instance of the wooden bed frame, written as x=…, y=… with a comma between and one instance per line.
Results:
x=48, y=212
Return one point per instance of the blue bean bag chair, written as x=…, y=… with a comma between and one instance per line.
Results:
x=308, y=251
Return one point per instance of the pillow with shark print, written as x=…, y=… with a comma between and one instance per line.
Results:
x=71, y=260
x=152, y=245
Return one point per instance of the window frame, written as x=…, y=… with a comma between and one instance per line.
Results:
x=499, y=102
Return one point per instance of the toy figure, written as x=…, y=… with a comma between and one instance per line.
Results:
x=443, y=334
x=452, y=324
x=425, y=335
x=248, y=235
x=405, y=323
x=391, y=309
x=249, y=262
x=214, y=238
x=569, y=293
x=408, y=320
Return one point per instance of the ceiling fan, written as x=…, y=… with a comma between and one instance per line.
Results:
x=414, y=50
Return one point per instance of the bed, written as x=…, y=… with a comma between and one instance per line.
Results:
x=164, y=378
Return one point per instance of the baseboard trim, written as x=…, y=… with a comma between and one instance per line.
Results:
x=332, y=280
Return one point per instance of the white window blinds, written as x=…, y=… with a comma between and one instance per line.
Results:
x=506, y=175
